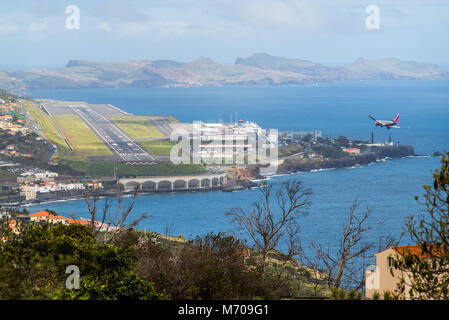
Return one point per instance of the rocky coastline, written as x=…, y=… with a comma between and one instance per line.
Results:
x=245, y=177
x=292, y=165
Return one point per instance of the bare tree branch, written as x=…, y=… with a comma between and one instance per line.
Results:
x=266, y=225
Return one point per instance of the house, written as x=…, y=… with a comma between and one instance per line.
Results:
x=5, y=125
x=383, y=276
x=30, y=194
x=4, y=108
x=94, y=185
x=75, y=186
x=6, y=117
x=39, y=216
x=56, y=219
x=352, y=150
x=45, y=216
x=81, y=221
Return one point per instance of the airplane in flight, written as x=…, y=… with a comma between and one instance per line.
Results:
x=386, y=123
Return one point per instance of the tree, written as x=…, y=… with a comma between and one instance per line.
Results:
x=211, y=267
x=342, y=141
x=344, y=268
x=427, y=269
x=266, y=223
x=110, y=222
x=33, y=266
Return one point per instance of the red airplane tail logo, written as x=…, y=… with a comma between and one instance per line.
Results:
x=397, y=117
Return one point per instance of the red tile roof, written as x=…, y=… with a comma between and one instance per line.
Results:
x=40, y=214
x=415, y=251
x=57, y=217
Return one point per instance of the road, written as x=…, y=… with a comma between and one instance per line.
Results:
x=113, y=137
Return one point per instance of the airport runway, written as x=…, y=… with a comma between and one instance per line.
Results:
x=116, y=140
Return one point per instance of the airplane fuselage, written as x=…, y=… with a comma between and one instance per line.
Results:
x=386, y=123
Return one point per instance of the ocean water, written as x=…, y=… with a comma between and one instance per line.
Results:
x=387, y=188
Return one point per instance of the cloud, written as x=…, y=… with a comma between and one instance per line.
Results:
x=8, y=28
x=282, y=14
x=289, y=15
x=37, y=26
x=117, y=11
x=133, y=28
x=104, y=26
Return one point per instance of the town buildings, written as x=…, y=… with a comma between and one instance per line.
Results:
x=30, y=189
x=16, y=223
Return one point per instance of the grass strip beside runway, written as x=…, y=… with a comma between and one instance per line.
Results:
x=158, y=147
x=48, y=128
x=137, y=127
x=84, y=141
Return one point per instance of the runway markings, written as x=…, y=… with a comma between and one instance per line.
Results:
x=99, y=124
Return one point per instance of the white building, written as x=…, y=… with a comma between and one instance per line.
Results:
x=75, y=186
x=40, y=175
x=219, y=140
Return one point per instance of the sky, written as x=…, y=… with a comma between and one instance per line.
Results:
x=34, y=34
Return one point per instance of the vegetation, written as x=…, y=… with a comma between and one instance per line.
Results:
x=123, y=263
x=428, y=268
x=266, y=225
x=33, y=266
x=48, y=128
x=344, y=268
x=8, y=96
x=158, y=147
x=5, y=174
x=83, y=140
x=137, y=127
x=218, y=266
x=106, y=169
x=333, y=152
x=291, y=149
x=141, y=265
x=25, y=144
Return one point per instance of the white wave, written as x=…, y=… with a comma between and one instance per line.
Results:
x=322, y=169
x=419, y=156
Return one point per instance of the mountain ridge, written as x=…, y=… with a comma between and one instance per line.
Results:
x=258, y=69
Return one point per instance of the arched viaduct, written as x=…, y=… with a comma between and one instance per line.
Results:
x=173, y=183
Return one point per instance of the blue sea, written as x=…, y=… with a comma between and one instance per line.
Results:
x=387, y=188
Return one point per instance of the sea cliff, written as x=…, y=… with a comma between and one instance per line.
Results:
x=291, y=165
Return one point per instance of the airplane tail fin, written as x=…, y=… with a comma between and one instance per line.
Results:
x=397, y=117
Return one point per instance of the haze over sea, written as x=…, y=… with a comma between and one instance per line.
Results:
x=388, y=188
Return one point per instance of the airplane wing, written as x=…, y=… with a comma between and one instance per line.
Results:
x=371, y=117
